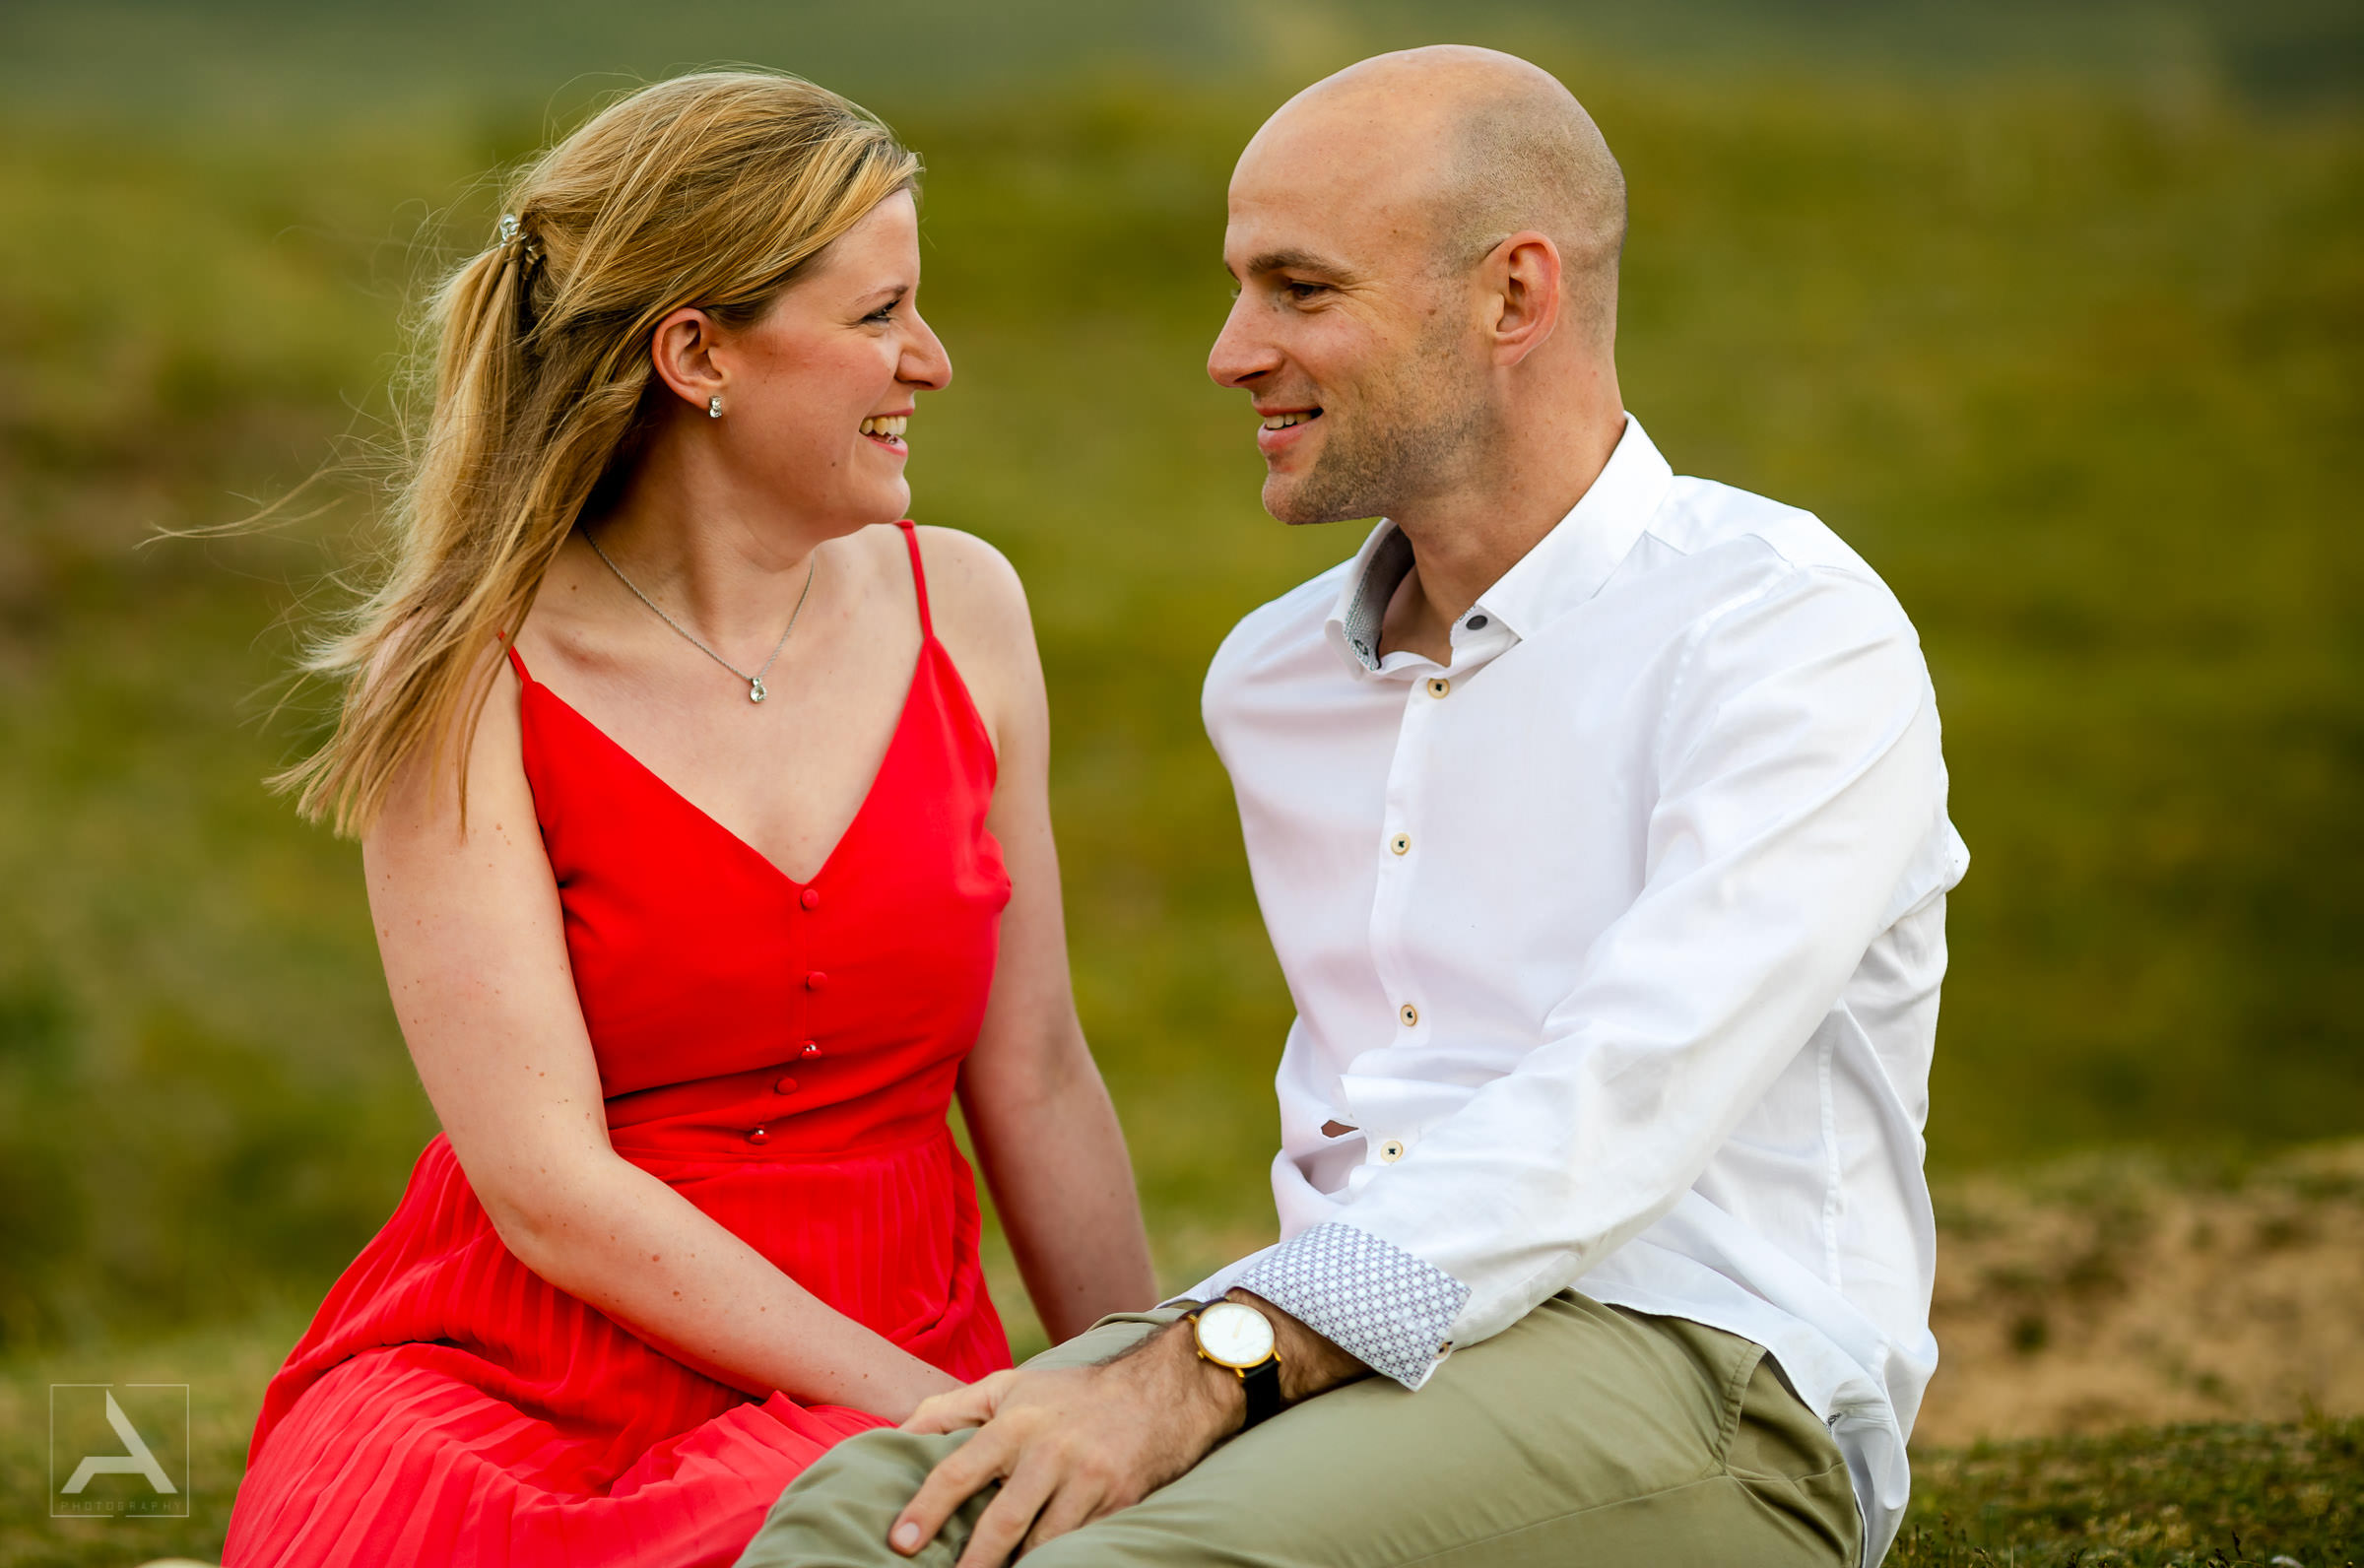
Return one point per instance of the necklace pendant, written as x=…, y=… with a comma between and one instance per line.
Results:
x=754, y=689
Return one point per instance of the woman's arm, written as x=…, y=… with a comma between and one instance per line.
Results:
x=1044, y=1130
x=469, y=927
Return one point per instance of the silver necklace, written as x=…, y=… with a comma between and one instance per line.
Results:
x=755, y=683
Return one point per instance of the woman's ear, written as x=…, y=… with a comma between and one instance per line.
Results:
x=1524, y=275
x=682, y=352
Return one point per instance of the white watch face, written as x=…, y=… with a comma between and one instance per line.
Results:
x=1234, y=1335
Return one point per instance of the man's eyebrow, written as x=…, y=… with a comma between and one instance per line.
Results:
x=1296, y=261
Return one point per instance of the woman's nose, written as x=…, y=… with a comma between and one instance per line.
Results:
x=925, y=364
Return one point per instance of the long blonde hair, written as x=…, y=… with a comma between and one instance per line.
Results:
x=715, y=189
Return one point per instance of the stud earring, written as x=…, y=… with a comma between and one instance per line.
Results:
x=714, y=407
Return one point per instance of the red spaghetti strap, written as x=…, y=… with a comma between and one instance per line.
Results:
x=510, y=645
x=919, y=576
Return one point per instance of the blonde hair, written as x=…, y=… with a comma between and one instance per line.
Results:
x=716, y=190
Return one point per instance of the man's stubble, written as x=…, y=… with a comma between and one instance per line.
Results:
x=1426, y=427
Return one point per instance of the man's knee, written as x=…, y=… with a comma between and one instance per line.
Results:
x=837, y=1514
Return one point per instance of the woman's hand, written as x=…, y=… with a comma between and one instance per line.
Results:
x=972, y=1405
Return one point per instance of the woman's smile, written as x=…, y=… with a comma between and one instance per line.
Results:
x=886, y=430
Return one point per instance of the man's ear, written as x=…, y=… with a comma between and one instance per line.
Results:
x=1524, y=276
x=682, y=352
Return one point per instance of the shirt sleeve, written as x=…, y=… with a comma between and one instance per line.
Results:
x=1800, y=782
x=1381, y=1305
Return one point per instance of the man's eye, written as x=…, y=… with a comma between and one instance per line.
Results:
x=1303, y=291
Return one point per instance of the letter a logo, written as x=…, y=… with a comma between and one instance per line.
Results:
x=139, y=1461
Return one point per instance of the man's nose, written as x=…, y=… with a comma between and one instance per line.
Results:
x=1240, y=356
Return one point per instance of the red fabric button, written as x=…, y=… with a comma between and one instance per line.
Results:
x=815, y=980
x=786, y=1086
x=810, y=898
x=760, y=1136
x=812, y=1048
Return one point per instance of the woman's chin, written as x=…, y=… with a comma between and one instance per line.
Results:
x=873, y=507
x=895, y=504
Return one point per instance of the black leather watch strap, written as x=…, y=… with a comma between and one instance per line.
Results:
x=1262, y=1384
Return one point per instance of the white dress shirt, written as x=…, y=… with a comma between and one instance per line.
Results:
x=1617, y=940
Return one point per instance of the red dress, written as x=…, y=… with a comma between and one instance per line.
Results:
x=780, y=1053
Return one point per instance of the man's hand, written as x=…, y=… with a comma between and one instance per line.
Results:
x=1069, y=1444
x=1074, y=1444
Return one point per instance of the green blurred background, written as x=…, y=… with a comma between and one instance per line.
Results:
x=2055, y=314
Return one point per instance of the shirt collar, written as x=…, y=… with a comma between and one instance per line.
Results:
x=1567, y=566
x=1377, y=570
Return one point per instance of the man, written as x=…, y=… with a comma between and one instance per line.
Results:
x=1598, y=820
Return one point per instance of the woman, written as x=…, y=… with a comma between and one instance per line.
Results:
x=695, y=1213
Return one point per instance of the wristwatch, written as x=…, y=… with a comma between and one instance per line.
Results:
x=1234, y=1335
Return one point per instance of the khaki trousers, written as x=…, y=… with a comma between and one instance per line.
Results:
x=1583, y=1435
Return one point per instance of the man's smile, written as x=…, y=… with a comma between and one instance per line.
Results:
x=1281, y=428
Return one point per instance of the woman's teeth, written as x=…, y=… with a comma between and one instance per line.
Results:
x=1281, y=422
x=888, y=426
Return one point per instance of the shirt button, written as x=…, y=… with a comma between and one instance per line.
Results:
x=1400, y=843
x=815, y=980
x=1438, y=685
x=1476, y=622
x=812, y=1048
x=760, y=1136
x=786, y=1086
x=1391, y=1151
x=1410, y=1014
x=810, y=898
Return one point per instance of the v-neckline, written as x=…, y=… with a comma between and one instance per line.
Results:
x=895, y=741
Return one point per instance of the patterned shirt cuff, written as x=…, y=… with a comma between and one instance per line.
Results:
x=1373, y=1300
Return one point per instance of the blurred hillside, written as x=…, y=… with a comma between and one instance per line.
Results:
x=258, y=61
x=2059, y=323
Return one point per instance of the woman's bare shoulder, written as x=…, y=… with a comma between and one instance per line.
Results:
x=972, y=588
x=980, y=613
x=478, y=743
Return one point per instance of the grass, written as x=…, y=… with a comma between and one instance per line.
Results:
x=2209, y=1496
x=225, y=1366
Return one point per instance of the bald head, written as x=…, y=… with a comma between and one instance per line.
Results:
x=1475, y=146
x=1426, y=251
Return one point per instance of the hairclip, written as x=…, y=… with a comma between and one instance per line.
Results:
x=512, y=237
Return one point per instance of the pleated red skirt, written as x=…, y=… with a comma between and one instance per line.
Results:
x=783, y=1054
